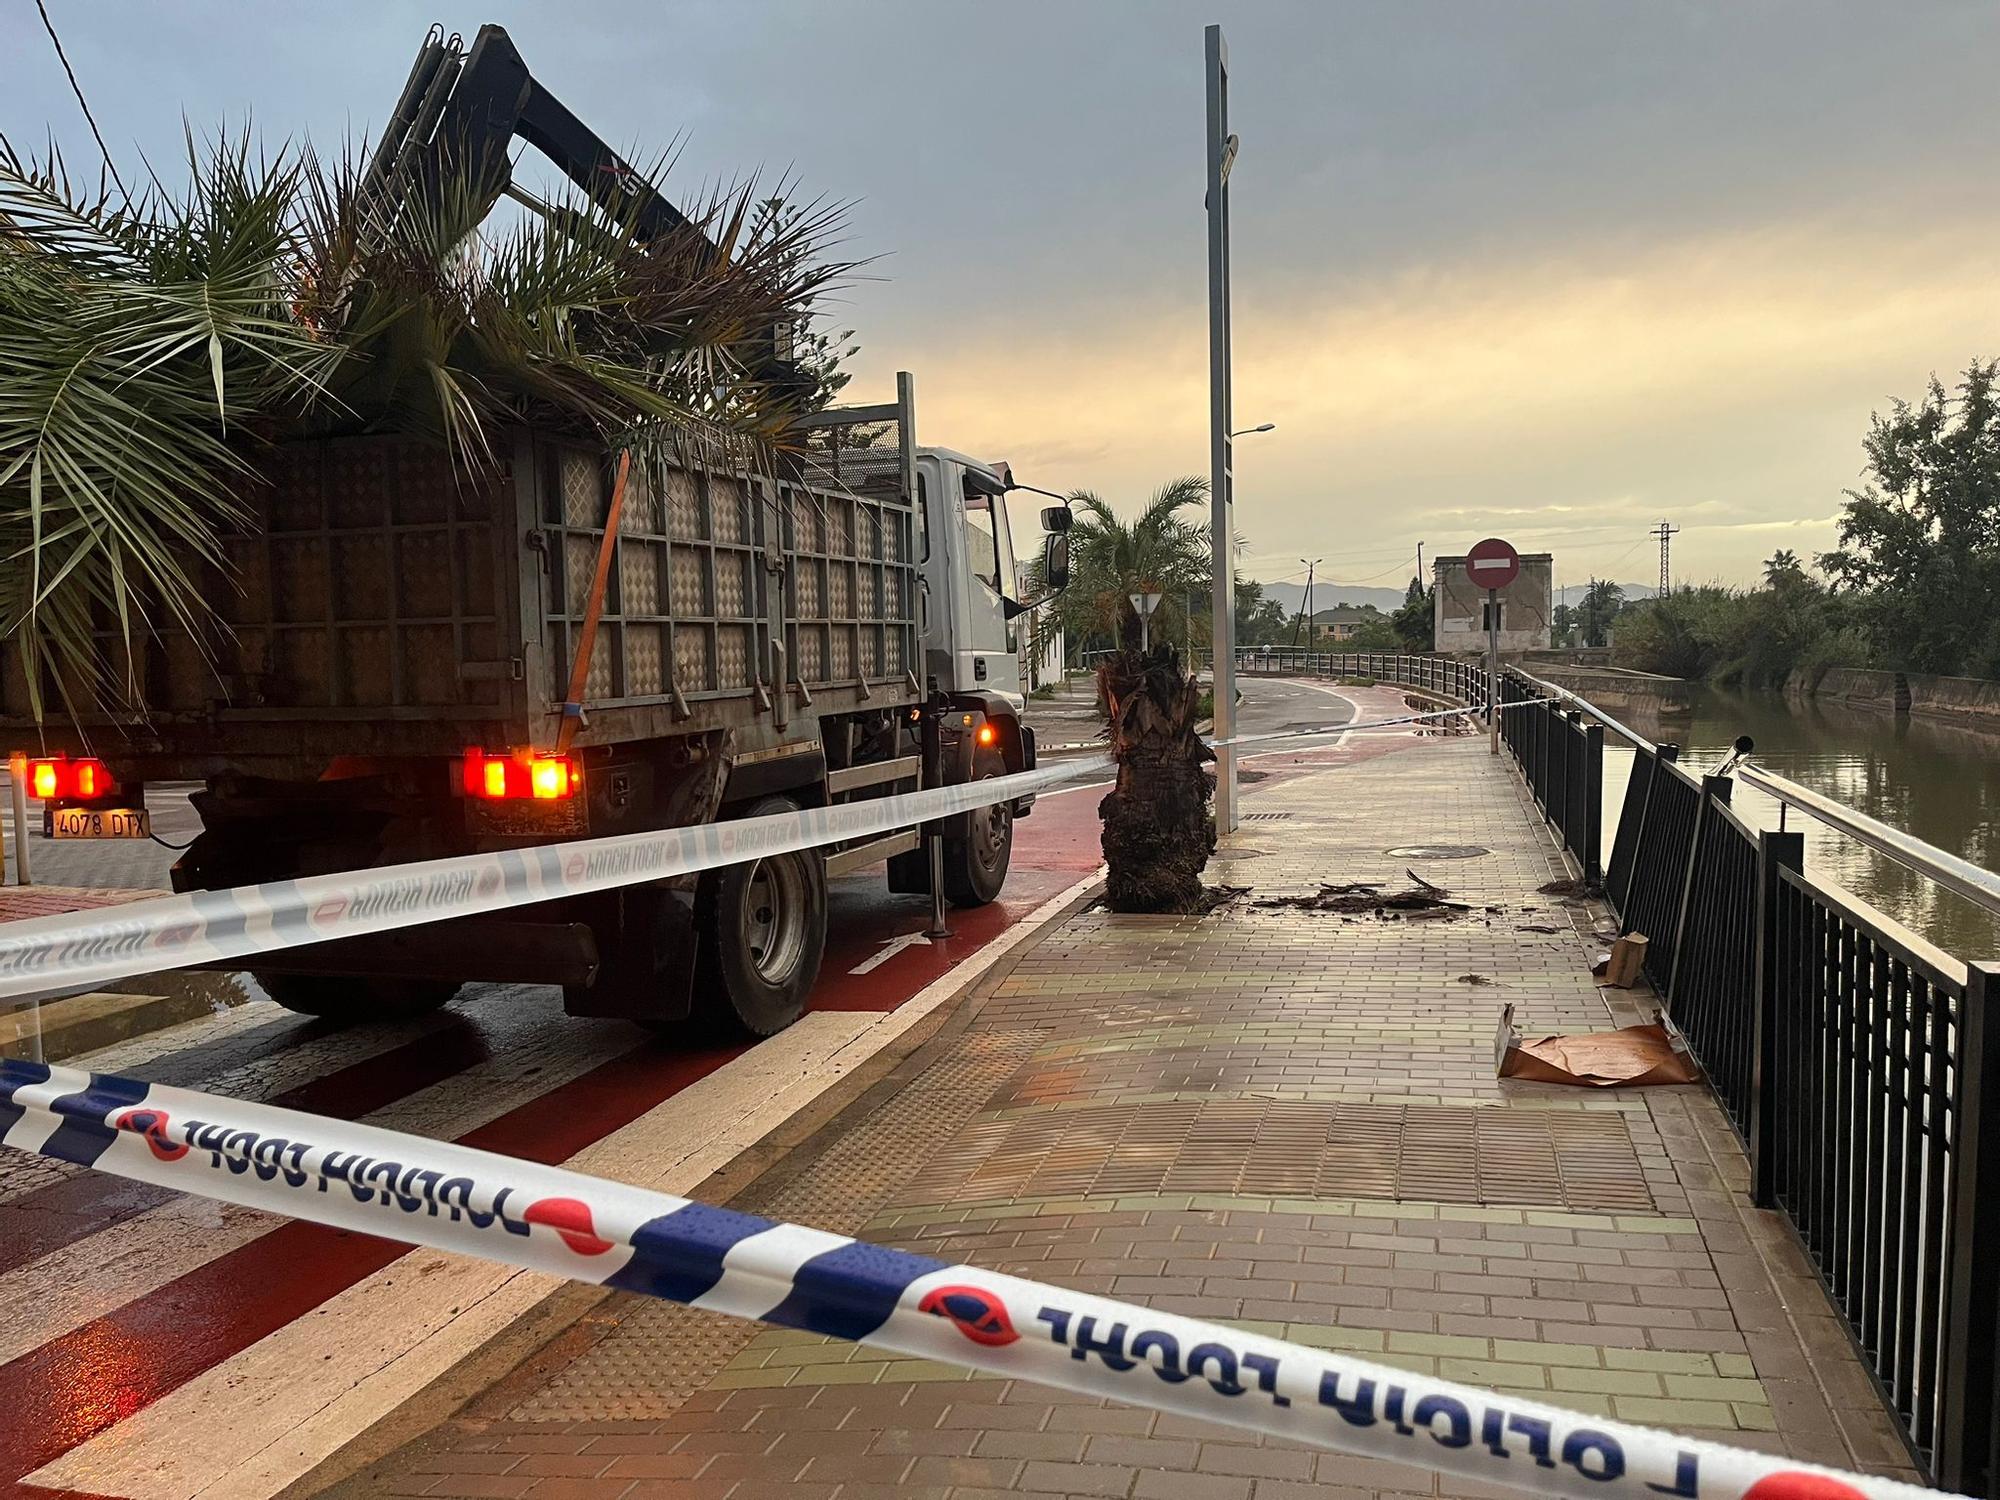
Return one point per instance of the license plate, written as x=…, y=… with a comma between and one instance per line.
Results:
x=101, y=823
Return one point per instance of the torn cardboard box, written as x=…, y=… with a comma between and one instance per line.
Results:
x=1633, y=1056
x=1622, y=964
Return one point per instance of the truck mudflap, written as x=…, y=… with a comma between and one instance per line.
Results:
x=649, y=959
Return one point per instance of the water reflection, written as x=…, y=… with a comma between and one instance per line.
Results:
x=1935, y=779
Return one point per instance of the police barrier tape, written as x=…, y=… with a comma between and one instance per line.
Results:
x=90, y=948
x=563, y=1223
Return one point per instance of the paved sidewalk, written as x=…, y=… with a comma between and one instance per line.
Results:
x=1282, y=1119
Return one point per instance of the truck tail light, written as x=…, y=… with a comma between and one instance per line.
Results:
x=60, y=779
x=521, y=776
x=986, y=734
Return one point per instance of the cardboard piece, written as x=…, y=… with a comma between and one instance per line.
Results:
x=1622, y=964
x=1631, y=1057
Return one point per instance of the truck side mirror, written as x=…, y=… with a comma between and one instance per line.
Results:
x=1057, y=518
x=1055, y=561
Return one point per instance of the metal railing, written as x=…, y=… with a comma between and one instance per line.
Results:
x=1561, y=756
x=1854, y=1058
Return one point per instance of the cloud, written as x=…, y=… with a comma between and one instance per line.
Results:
x=1723, y=381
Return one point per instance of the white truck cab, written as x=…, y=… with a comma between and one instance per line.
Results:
x=971, y=579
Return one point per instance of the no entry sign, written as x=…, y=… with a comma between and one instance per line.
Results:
x=1492, y=564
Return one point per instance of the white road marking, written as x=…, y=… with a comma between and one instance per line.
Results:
x=325, y=1379
x=96, y=1275
x=889, y=950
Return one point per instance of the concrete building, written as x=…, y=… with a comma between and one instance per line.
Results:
x=1527, y=611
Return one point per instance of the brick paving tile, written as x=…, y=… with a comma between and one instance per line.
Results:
x=1284, y=1119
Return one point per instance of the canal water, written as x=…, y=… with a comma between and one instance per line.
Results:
x=1929, y=777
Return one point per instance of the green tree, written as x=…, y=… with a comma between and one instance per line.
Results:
x=1162, y=550
x=1600, y=607
x=1782, y=569
x=1413, y=620
x=1921, y=538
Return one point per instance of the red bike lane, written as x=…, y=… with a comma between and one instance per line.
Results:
x=78, y=1385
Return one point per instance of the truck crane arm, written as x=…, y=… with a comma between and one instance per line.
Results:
x=477, y=101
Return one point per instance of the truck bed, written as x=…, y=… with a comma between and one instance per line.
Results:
x=384, y=605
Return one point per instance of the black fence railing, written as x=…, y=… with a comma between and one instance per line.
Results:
x=1444, y=675
x=1854, y=1058
x=1562, y=759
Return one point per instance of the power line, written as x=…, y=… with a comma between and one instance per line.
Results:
x=83, y=103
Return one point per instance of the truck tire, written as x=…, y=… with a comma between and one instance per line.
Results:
x=337, y=997
x=762, y=935
x=975, y=868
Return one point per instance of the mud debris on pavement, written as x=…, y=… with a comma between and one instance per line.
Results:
x=1365, y=898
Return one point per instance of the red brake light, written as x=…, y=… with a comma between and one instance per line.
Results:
x=543, y=778
x=60, y=779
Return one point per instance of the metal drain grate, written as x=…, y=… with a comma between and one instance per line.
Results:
x=1294, y=1148
x=1492, y=1156
x=1264, y=817
x=661, y=1352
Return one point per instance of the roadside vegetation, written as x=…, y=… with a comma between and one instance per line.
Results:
x=1264, y=622
x=1914, y=585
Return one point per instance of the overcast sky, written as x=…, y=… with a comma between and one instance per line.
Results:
x=1551, y=269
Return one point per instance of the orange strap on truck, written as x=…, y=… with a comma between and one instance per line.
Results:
x=593, y=610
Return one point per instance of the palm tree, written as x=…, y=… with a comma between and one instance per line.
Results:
x=152, y=352
x=1158, y=833
x=1782, y=567
x=1160, y=551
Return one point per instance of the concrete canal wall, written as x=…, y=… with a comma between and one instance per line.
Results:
x=1961, y=699
x=1616, y=687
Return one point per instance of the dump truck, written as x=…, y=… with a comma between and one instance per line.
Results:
x=573, y=643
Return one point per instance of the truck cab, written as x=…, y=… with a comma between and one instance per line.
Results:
x=971, y=579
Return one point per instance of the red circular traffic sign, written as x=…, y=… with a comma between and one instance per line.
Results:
x=1492, y=564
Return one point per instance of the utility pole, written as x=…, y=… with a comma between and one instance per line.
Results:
x=1306, y=609
x=1221, y=499
x=1666, y=534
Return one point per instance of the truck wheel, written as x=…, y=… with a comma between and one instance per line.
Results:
x=763, y=933
x=337, y=997
x=976, y=867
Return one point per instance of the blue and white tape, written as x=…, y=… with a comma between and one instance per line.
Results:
x=87, y=949
x=588, y=1229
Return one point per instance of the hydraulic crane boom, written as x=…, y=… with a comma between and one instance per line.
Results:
x=476, y=102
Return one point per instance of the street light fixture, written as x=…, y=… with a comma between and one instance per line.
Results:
x=1264, y=427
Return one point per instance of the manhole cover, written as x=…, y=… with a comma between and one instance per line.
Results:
x=1437, y=851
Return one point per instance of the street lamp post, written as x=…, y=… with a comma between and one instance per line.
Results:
x=1222, y=528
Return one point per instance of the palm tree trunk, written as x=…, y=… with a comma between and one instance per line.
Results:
x=1158, y=832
